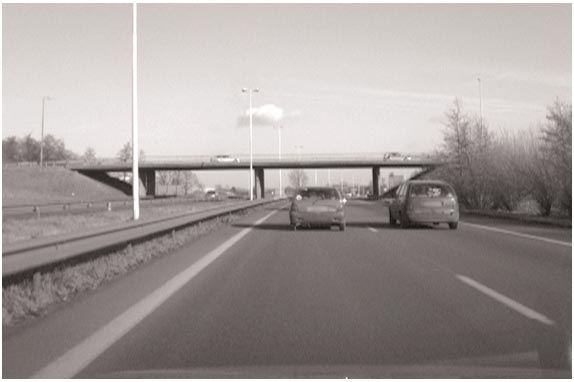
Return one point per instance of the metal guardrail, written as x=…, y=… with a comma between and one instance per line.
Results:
x=39, y=209
x=27, y=257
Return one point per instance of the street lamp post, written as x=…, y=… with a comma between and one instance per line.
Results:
x=280, y=174
x=44, y=99
x=251, y=91
x=135, y=138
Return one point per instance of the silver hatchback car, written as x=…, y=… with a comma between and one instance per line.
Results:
x=424, y=201
x=317, y=206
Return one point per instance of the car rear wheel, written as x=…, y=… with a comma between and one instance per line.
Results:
x=404, y=221
x=453, y=225
x=392, y=220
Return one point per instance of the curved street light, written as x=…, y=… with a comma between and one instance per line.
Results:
x=251, y=91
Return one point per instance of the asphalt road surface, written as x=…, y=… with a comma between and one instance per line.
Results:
x=258, y=300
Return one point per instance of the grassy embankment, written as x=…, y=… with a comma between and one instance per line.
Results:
x=35, y=185
x=32, y=185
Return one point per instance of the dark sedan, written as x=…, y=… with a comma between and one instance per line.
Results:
x=317, y=206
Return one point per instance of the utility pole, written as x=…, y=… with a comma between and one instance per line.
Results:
x=251, y=91
x=280, y=174
x=135, y=145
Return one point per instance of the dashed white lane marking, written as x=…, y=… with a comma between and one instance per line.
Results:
x=80, y=356
x=372, y=229
x=518, y=307
x=539, y=238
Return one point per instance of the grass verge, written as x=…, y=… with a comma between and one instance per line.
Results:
x=33, y=298
x=523, y=218
x=14, y=230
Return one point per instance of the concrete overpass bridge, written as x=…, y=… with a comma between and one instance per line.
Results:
x=148, y=168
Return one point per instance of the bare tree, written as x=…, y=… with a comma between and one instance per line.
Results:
x=125, y=154
x=163, y=179
x=190, y=181
x=89, y=155
x=557, y=148
x=509, y=184
x=298, y=178
x=10, y=150
x=176, y=180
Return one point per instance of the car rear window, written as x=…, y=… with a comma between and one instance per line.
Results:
x=431, y=191
x=322, y=193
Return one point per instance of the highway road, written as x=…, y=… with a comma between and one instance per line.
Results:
x=256, y=299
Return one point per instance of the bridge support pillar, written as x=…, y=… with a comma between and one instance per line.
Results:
x=259, y=183
x=148, y=179
x=376, y=174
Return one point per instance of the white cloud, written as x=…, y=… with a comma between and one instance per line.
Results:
x=266, y=115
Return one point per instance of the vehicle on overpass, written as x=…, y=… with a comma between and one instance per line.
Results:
x=317, y=206
x=424, y=201
x=396, y=156
x=224, y=159
x=211, y=194
x=393, y=156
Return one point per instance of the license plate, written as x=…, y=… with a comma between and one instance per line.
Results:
x=433, y=203
x=318, y=209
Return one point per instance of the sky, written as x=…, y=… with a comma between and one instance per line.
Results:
x=338, y=78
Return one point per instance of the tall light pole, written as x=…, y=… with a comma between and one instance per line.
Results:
x=251, y=91
x=135, y=145
x=44, y=99
x=280, y=174
x=480, y=102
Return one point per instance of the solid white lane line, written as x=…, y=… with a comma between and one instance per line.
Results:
x=539, y=238
x=518, y=307
x=372, y=229
x=80, y=356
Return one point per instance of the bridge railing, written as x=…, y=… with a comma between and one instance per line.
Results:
x=240, y=157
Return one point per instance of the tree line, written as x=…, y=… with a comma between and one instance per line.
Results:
x=498, y=170
x=27, y=149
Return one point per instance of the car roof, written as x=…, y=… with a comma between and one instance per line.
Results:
x=317, y=188
x=430, y=181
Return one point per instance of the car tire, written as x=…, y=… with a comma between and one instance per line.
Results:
x=453, y=225
x=392, y=221
x=342, y=227
x=404, y=222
